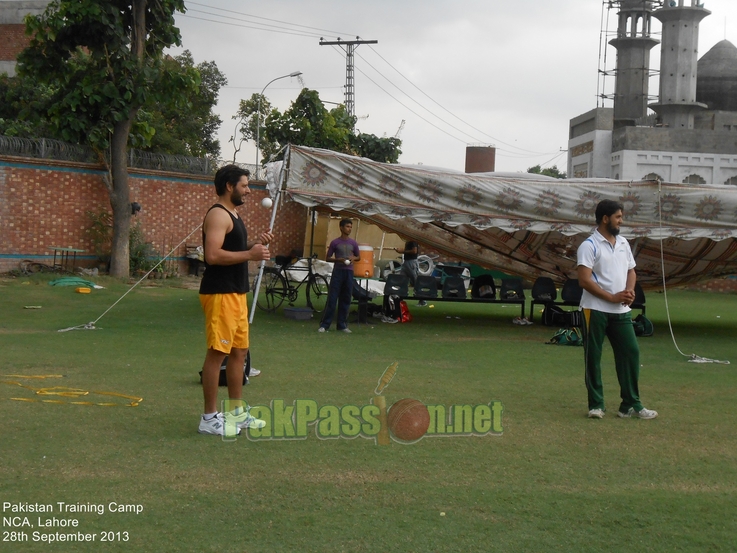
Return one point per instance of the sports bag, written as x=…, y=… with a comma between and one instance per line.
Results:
x=392, y=307
x=555, y=316
x=643, y=326
x=567, y=337
x=406, y=316
x=223, y=379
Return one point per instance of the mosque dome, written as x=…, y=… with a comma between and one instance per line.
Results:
x=716, y=83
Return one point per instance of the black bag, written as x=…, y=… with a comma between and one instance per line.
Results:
x=555, y=316
x=392, y=307
x=223, y=379
x=643, y=326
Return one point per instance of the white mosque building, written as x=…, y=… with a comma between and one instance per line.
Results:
x=692, y=135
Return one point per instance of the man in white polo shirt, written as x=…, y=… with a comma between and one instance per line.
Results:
x=606, y=272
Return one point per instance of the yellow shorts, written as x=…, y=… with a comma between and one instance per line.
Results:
x=226, y=321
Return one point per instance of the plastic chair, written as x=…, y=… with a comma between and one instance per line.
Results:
x=512, y=289
x=483, y=287
x=571, y=293
x=454, y=287
x=543, y=292
x=426, y=287
x=397, y=285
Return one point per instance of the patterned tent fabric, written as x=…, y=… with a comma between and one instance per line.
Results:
x=527, y=225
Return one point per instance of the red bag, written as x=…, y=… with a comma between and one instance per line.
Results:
x=406, y=315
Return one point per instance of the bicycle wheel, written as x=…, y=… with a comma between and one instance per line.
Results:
x=317, y=293
x=274, y=290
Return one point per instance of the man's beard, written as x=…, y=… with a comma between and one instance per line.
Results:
x=614, y=231
x=237, y=199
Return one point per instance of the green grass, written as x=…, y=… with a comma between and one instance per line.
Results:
x=554, y=481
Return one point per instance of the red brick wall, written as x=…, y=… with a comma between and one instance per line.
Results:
x=45, y=204
x=12, y=41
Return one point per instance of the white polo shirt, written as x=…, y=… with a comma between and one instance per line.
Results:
x=609, y=265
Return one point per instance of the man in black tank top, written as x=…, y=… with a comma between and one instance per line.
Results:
x=223, y=298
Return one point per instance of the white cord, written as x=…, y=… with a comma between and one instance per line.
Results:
x=693, y=358
x=91, y=325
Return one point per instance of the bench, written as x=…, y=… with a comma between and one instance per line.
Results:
x=483, y=290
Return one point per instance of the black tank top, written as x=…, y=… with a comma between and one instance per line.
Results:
x=227, y=279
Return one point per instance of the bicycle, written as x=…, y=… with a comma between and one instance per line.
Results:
x=277, y=285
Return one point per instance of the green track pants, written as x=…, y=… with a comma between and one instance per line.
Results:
x=617, y=327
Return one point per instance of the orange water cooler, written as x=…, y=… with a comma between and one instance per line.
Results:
x=365, y=266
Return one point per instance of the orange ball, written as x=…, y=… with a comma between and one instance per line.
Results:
x=409, y=419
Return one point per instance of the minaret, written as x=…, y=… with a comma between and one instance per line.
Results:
x=633, y=44
x=678, y=58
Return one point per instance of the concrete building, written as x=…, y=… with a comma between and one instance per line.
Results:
x=692, y=135
x=12, y=29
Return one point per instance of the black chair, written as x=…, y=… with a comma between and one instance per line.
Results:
x=512, y=289
x=543, y=292
x=454, y=287
x=639, y=302
x=483, y=287
x=397, y=285
x=426, y=287
x=571, y=293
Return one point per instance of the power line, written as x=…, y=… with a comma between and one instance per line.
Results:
x=448, y=111
x=416, y=102
x=269, y=19
x=284, y=32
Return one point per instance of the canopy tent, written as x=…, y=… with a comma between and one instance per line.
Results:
x=522, y=224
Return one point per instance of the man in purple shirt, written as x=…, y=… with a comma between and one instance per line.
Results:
x=342, y=252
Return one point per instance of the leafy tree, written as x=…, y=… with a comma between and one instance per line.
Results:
x=17, y=95
x=191, y=131
x=102, y=61
x=549, y=171
x=309, y=123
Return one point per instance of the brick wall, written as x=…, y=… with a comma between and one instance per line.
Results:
x=45, y=204
x=13, y=40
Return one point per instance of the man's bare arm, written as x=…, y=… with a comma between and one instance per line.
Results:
x=217, y=224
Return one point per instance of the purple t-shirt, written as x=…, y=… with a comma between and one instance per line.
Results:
x=345, y=248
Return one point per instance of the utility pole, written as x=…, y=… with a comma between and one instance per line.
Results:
x=348, y=46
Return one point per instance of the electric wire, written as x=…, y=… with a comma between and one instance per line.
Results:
x=447, y=110
x=337, y=33
x=297, y=31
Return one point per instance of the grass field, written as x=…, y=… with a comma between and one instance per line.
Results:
x=553, y=481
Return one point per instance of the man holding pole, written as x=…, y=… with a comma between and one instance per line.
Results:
x=223, y=298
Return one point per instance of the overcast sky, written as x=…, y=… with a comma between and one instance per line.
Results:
x=505, y=73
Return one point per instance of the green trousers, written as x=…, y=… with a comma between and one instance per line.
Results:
x=617, y=327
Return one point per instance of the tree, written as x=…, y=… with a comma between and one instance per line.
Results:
x=102, y=61
x=308, y=123
x=189, y=132
x=549, y=171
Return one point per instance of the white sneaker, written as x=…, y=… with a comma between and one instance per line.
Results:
x=321, y=329
x=244, y=420
x=346, y=330
x=596, y=414
x=253, y=372
x=216, y=425
x=641, y=414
